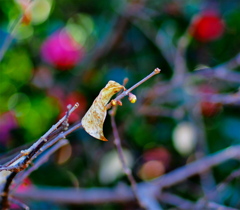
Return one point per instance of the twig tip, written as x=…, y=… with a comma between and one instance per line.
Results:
x=76, y=105
x=157, y=70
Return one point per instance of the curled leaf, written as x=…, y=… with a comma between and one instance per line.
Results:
x=93, y=120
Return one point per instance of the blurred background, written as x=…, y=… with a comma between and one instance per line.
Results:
x=55, y=53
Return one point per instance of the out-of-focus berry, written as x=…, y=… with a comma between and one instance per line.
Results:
x=207, y=26
x=62, y=51
x=208, y=108
x=156, y=162
x=63, y=100
x=151, y=169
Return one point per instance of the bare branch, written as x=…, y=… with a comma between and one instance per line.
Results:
x=228, y=99
x=20, y=162
x=197, y=167
x=126, y=169
x=181, y=203
x=39, y=161
x=126, y=92
x=124, y=194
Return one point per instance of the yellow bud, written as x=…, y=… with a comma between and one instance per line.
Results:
x=113, y=102
x=132, y=98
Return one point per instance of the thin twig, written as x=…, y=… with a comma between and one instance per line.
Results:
x=206, y=178
x=126, y=169
x=227, y=99
x=9, y=38
x=14, y=164
x=220, y=186
x=12, y=29
x=182, y=203
x=180, y=66
x=126, y=92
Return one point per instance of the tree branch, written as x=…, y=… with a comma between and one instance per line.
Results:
x=197, y=167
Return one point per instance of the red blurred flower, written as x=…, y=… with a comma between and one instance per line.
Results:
x=156, y=162
x=209, y=109
x=72, y=98
x=63, y=100
x=62, y=51
x=207, y=26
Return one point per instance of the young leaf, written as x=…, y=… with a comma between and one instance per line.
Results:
x=93, y=120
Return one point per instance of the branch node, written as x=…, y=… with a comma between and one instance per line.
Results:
x=24, y=152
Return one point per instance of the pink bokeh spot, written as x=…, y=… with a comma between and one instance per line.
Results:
x=62, y=51
x=7, y=123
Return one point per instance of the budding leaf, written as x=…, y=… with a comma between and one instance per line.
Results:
x=93, y=120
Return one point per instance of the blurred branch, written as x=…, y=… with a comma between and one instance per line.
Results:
x=180, y=66
x=229, y=65
x=151, y=34
x=235, y=174
x=12, y=29
x=124, y=194
x=177, y=201
x=96, y=196
x=182, y=203
x=223, y=71
x=223, y=74
x=228, y=99
x=197, y=167
x=176, y=113
x=19, y=203
x=196, y=118
x=220, y=187
x=79, y=196
x=9, y=37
